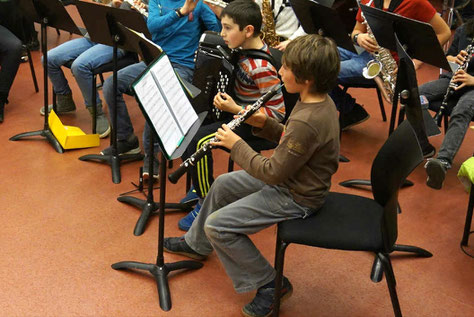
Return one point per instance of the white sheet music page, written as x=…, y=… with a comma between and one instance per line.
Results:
x=174, y=93
x=160, y=115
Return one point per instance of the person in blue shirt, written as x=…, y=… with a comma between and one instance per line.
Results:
x=175, y=25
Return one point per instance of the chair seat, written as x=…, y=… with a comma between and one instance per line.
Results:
x=346, y=222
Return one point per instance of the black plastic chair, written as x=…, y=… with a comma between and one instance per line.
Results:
x=355, y=223
x=369, y=85
x=128, y=59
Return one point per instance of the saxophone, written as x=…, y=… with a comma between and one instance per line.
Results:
x=269, y=35
x=383, y=65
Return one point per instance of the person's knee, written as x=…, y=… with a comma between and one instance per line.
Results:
x=78, y=68
x=16, y=46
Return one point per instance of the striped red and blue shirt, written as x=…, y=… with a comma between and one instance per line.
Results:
x=254, y=78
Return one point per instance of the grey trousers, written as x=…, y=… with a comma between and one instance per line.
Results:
x=236, y=206
x=460, y=117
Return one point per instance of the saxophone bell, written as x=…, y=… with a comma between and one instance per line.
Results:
x=372, y=69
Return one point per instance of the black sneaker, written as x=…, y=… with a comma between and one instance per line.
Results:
x=128, y=146
x=355, y=116
x=178, y=245
x=436, y=171
x=146, y=167
x=262, y=304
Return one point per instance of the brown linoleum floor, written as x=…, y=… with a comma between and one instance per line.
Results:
x=62, y=228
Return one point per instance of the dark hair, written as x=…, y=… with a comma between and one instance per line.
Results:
x=244, y=12
x=316, y=58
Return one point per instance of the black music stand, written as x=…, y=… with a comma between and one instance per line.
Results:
x=101, y=23
x=395, y=32
x=148, y=51
x=160, y=270
x=389, y=30
x=47, y=13
x=320, y=19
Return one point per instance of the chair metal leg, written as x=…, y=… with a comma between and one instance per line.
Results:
x=391, y=283
x=94, y=104
x=279, y=262
x=467, y=225
x=382, y=107
x=32, y=69
x=230, y=165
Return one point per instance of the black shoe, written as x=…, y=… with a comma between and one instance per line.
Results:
x=146, y=167
x=178, y=245
x=436, y=171
x=128, y=146
x=355, y=116
x=429, y=151
x=262, y=304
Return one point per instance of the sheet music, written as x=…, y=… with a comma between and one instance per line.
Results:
x=182, y=109
x=159, y=113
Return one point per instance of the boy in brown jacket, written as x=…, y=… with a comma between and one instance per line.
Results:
x=292, y=183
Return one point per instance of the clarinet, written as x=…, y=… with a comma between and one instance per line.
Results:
x=199, y=154
x=452, y=85
x=143, y=11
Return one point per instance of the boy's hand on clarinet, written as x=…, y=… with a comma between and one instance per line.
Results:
x=461, y=57
x=464, y=78
x=224, y=102
x=227, y=138
x=139, y=4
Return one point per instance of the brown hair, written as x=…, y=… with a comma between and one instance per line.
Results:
x=316, y=58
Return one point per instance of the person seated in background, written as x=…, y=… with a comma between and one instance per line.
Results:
x=460, y=105
x=286, y=24
x=353, y=64
x=86, y=56
x=176, y=27
x=291, y=184
x=241, y=22
x=10, y=51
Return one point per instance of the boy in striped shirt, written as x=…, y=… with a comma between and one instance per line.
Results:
x=241, y=22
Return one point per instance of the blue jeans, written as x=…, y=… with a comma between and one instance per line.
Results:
x=125, y=77
x=87, y=56
x=460, y=117
x=350, y=73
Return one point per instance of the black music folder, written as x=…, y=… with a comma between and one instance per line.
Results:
x=166, y=107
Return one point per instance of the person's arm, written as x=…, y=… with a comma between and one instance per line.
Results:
x=363, y=38
x=443, y=33
x=157, y=22
x=296, y=147
x=209, y=19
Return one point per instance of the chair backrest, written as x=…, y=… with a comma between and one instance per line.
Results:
x=397, y=158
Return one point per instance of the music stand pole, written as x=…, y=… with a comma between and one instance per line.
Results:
x=160, y=269
x=148, y=206
x=113, y=159
x=46, y=132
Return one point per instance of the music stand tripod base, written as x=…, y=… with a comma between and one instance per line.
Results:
x=46, y=133
x=113, y=161
x=160, y=273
